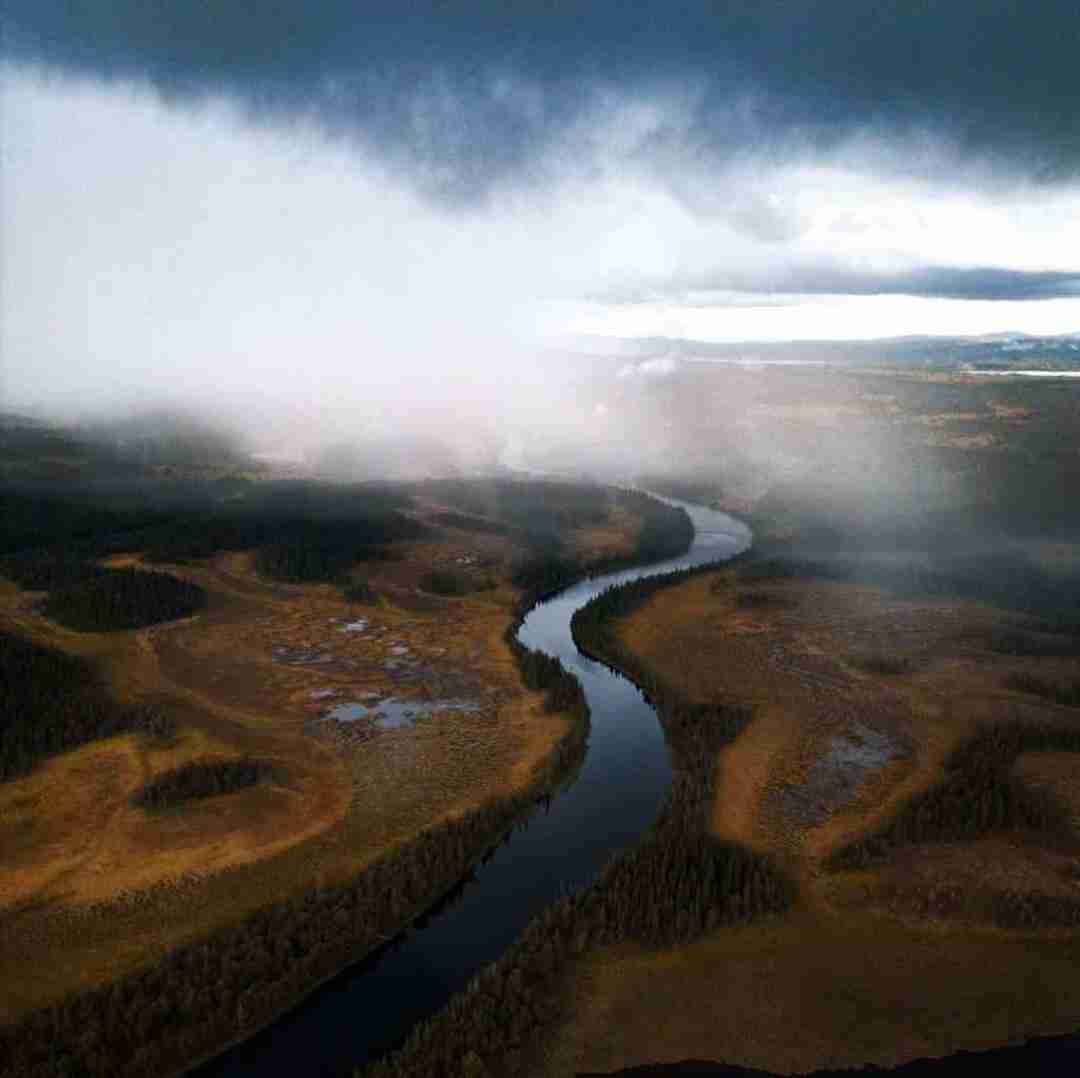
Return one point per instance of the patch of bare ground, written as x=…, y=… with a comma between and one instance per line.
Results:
x=93, y=887
x=859, y=698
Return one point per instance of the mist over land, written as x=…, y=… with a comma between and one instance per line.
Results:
x=325, y=226
x=336, y=338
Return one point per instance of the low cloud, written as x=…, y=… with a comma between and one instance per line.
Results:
x=368, y=222
x=468, y=98
x=783, y=286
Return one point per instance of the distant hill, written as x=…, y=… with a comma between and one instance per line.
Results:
x=995, y=351
x=152, y=445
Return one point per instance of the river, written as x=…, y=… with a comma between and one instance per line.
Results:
x=611, y=801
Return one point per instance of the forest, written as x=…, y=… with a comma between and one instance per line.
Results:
x=543, y=510
x=665, y=532
x=52, y=702
x=115, y=599
x=50, y=535
x=302, y=531
x=201, y=778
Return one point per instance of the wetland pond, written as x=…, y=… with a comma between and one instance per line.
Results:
x=390, y=714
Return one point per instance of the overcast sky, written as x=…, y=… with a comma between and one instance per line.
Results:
x=319, y=201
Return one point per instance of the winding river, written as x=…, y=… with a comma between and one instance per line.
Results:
x=609, y=803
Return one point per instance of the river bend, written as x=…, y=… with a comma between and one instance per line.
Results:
x=610, y=802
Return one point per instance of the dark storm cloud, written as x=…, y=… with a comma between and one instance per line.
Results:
x=470, y=95
x=934, y=282
x=972, y=284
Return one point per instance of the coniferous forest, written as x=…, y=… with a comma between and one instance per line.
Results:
x=123, y=599
x=52, y=702
x=53, y=536
x=201, y=778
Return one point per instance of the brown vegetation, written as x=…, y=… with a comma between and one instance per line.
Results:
x=860, y=698
x=94, y=886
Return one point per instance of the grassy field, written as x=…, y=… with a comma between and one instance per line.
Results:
x=859, y=697
x=815, y=990
x=93, y=886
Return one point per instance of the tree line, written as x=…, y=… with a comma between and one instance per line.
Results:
x=52, y=702
x=664, y=532
x=114, y=599
x=533, y=507
x=52, y=537
x=201, y=778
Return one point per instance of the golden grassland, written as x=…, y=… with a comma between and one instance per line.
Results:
x=92, y=887
x=812, y=990
x=866, y=968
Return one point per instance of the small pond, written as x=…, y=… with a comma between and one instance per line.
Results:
x=392, y=713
